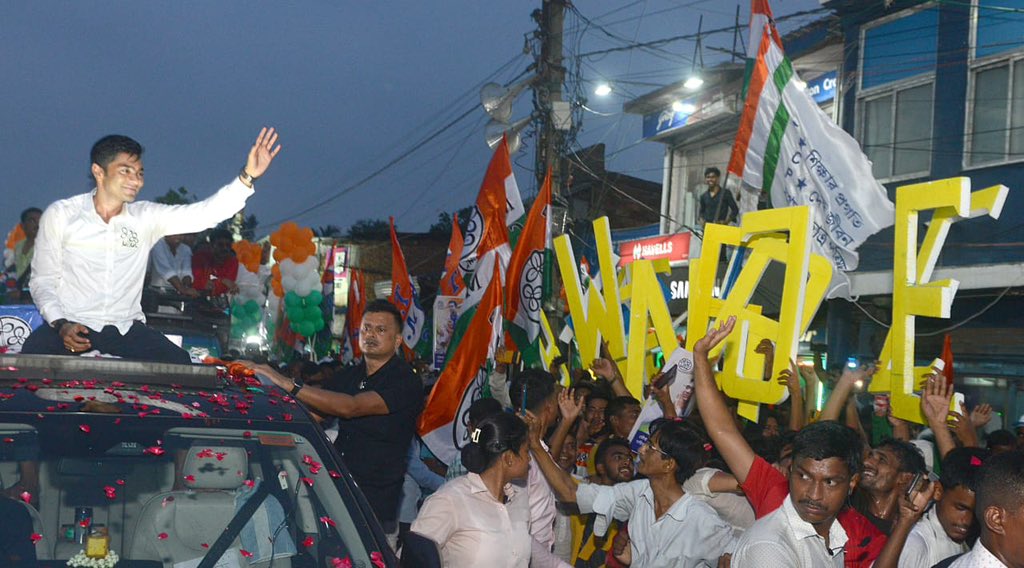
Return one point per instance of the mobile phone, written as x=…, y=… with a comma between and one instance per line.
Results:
x=913, y=484
x=666, y=377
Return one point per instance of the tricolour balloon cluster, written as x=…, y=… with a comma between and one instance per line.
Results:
x=296, y=278
x=246, y=305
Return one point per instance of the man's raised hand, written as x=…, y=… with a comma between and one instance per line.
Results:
x=262, y=152
x=715, y=336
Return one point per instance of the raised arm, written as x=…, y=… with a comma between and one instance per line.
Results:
x=935, y=407
x=713, y=410
x=791, y=378
x=844, y=387
x=560, y=481
x=606, y=367
x=570, y=409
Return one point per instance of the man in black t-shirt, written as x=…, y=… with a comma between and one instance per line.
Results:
x=377, y=404
x=717, y=205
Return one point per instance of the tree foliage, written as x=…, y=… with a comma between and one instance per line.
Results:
x=180, y=196
x=369, y=229
x=443, y=226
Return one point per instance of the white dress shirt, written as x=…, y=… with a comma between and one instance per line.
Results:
x=542, y=505
x=782, y=538
x=474, y=529
x=91, y=272
x=928, y=544
x=733, y=508
x=978, y=557
x=689, y=534
x=167, y=264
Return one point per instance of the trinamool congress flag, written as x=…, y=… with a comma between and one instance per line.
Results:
x=356, y=308
x=442, y=424
x=403, y=295
x=452, y=283
x=498, y=205
x=526, y=275
x=789, y=147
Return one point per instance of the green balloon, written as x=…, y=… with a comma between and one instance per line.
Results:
x=306, y=329
x=313, y=313
x=291, y=299
x=252, y=307
x=295, y=313
x=318, y=324
x=314, y=298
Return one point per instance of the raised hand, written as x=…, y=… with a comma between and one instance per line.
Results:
x=788, y=378
x=569, y=406
x=981, y=415
x=715, y=336
x=262, y=152
x=604, y=368
x=534, y=428
x=935, y=400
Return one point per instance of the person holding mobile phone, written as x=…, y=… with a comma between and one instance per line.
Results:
x=947, y=527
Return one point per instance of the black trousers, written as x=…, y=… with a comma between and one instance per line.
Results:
x=141, y=343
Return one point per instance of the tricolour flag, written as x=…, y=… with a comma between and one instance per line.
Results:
x=497, y=203
x=452, y=283
x=789, y=147
x=525, y=291
x=442, y=424
x=403, y=295
x=356, y=308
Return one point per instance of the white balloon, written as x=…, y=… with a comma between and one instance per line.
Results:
x=302, y=288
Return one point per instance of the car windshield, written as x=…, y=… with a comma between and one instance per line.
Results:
x=158, y=482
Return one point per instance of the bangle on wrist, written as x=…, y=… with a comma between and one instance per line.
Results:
x=297, y=385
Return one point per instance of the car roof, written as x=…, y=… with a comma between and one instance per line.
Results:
x=56, y=384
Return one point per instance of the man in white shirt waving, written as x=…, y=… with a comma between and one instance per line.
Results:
x=92, y=251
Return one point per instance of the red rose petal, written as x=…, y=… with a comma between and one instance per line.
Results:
x=377, y=559
x=8, y=440
x=190, y=478
x=120, y=482
x=36, y=537
x=333, y=474
x=328, y=521
x=249, y=483
x=25, y=496
x=308, y=481
x=85, y=428
x=245, y=553
x=308, y=542
x=154, y=451
x=162, y=536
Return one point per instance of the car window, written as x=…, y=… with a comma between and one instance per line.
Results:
x=162, y=492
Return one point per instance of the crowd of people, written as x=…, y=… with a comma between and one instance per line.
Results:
x=550, y=476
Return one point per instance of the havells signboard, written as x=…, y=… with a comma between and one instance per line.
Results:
x=676, y=248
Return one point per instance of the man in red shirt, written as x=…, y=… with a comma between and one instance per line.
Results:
x=766, y=487
x=215, y=269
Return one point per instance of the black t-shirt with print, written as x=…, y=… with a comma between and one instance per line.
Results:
x=375, y=448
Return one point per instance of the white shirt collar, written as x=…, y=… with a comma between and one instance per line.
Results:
x=804, y=530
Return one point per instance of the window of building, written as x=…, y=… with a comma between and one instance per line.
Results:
x=995, y=131
x=897, y=76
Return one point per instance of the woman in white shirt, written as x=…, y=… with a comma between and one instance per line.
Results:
x=667, y=526
x=481, y=519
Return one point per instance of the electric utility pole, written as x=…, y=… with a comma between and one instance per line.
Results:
x=548, y=93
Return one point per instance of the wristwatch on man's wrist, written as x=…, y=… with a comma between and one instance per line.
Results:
x=297, y=385
x=58, y=323
x=247, y=178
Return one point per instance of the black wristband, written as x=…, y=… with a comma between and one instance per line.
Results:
x=297, y=385
x=246, y=176
x=58, y=323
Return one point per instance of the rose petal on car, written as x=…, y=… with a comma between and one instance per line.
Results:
x=328, y=521
x=245, y=553
x=377, y=559
x=308, y=542
x=36, y=537
x=85, y=428
x=162, y=536
x=25, y=496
